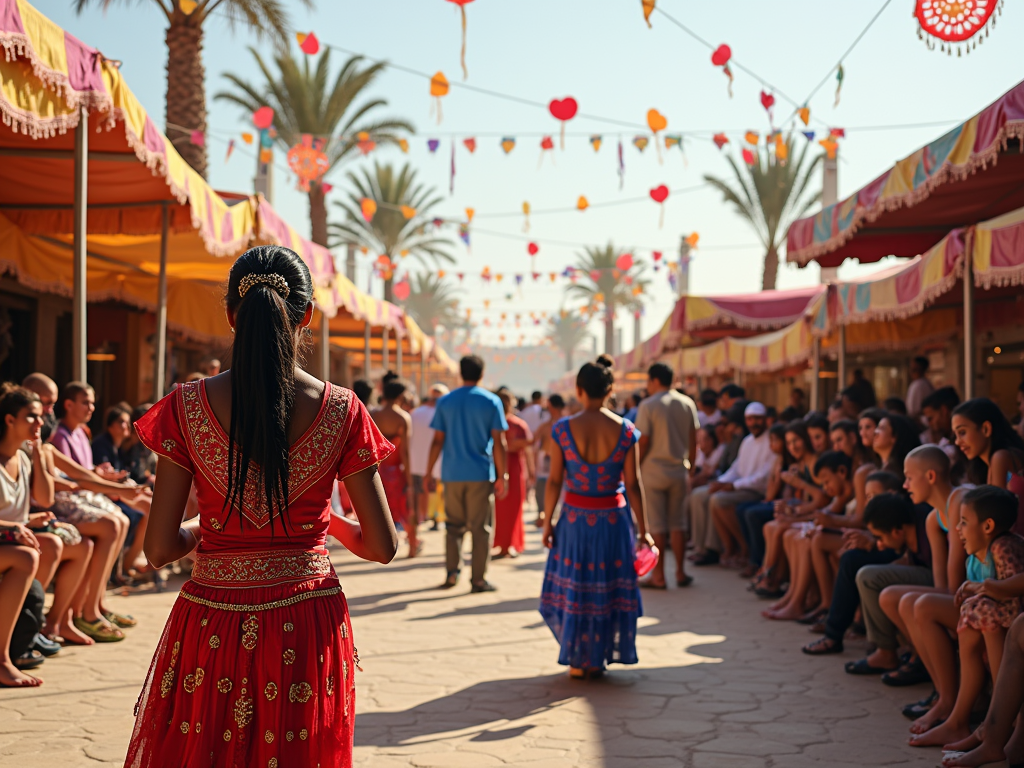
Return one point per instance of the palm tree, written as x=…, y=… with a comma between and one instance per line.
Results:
x=603, y=282
x=567, y=331
x=185, y=103
x=305, y=101
x=433, y=302
x=401, y=224
x=770, y=197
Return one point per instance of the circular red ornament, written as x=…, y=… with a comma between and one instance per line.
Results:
x=721, y=55
x=624, y=262
x=954, y=20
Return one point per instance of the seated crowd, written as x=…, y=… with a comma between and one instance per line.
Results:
x=73, y=513
x=869, y=522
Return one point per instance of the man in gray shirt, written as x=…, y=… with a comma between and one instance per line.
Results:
x=668, y=424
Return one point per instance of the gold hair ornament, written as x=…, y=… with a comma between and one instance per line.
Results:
x=274, y=280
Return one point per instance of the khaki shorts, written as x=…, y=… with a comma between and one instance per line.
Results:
x=666, y=505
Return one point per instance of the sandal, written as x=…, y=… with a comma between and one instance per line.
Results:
x=98, y=630
x=908, y=673
x=920, y=708
x=862, y=667
x=823, y=647
x=686, y=581
x=814, y=617
x=120, y=620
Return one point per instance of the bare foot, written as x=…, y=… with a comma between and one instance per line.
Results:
x=12, y=677
x=789, y=613
x=940, y=735
x=971, y=742
x=976, y=757
x=931, y=718
x=70, y=634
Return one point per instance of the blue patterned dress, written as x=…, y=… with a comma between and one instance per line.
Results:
x=590, y=598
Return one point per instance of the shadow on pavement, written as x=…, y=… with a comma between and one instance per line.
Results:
x=507, y=606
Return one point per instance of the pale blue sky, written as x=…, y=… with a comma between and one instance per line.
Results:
x=602, y=53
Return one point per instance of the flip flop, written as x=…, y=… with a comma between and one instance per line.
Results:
x=862, y=667
x=822, y=648
x=99, y=631
x=686, y=581
x=120, y=620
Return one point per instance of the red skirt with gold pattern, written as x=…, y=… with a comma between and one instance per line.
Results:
x=254, y=668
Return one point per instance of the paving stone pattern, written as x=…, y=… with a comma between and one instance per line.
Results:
x=458, y=680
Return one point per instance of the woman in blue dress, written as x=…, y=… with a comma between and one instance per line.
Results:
x=590, y=598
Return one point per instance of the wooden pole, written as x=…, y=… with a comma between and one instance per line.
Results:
x=384, y=356
x=398, y=354
x=79, y=304
x=423, y=372
x=325, y=347
x=841, y=368
x=160, y=363
x=815, y=371
x=367, y=332
x=968, y=328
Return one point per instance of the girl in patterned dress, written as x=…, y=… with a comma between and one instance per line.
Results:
x=590, y=598
x=255, y=666
x=995, y=555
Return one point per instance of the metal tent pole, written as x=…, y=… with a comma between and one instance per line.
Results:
x=815, y=371
x=841, y=368
x=79, y=317
x=160, y=363
x=423, y=372
x=384, y=357
x=968, y=327
x=398, y=354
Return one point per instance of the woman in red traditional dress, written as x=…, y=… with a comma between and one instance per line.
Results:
x=255, y=666
x=509, y=536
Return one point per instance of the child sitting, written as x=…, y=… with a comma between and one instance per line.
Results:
x=834, y=471
x=995, y=554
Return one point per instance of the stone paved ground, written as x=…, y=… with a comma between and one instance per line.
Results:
x=453, y=679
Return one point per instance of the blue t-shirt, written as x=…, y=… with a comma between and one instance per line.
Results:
x=467, y=416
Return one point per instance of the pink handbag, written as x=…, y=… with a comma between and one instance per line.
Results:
x=645, y=560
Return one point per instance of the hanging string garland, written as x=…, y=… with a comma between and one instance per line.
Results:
x=954, y=21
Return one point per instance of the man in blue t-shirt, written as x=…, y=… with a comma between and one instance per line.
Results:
x=469, y=426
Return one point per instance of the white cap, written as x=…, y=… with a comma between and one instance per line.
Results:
x=755, y=409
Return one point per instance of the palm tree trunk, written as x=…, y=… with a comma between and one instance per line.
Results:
x=771, y=269
x=186, y=88
x=389, y=293
x=609, y=330
x=568, y=361
x=318, y=213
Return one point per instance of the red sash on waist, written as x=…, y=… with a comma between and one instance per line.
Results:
x=595, y=502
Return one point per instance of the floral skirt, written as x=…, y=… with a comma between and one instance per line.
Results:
x=253, y=677
x=590, y=599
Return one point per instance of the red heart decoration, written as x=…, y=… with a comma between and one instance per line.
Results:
x=659, y=194
x=624, y=262
x=263, y=118
x=721, y=55
x=563, y=109
x=767, y=100
x=532, y=249
x=656, y=255
x=402, y=290
x=547, y=143
x=310, y=45
x=748, y=156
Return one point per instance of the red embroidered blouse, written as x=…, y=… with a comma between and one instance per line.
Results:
x=341, y=441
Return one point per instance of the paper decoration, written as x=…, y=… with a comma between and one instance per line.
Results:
x=368, y=208
x=837, y=133
x=954, y=22
x=624, y=262
x=526, y=216
x=248, y=138
x=781, y=149
x=508, y=144
x=470, y=212
x=809, y=135
x=308, y=161
x=266, y=155
x=231, y=148
x=831, y=146
x=533, y=249
x=648, y=6
x=464, y=233
x=364, y=143
x=308, y=43
x=805, y=114
x=462, y=56
x=767, y=101
x=440, y=274
x=403, y=145
x=659, y=195
x=187, y=6
x=563, y=110
x=595, y=275
x=622, y=166
x=546, y=145
x=438, y=90
x=198, y=138
x=401, y=290
x=432, y=145
x=656, y=122
x=748, y=156
x=582, y=203
x=720, y=58
x=405, y=252
x=408, y=211
x=656, y=255
x=263, y=118
x=470, y=144
x=451, y=171
x=720, y=140
x=640, y=142
x=595, y=142
x=840, y=74
x=752, y=137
